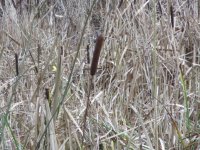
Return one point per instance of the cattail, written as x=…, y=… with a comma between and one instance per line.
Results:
x=88, y=53
x=172, y=16
x=16, y=64
x=97, y=50
x=47, y=93
x=61, y=51
x=38, y=53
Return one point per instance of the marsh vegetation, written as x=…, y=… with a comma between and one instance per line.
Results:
x=142, y=93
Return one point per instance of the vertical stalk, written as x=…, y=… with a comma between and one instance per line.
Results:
x=154, y=86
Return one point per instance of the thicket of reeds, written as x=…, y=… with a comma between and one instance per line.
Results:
x=82, y=74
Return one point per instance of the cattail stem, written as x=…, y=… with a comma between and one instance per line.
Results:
x=86, y=109
x=95, y=59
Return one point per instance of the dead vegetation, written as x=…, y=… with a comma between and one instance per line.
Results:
x=144, y=92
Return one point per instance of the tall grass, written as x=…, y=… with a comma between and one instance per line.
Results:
x=133, y=96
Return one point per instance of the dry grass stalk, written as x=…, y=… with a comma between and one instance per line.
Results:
x=51, y=129
x=39, y=53
x=57, y=92
x=120, y=3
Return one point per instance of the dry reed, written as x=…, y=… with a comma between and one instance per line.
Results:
x=125, y=113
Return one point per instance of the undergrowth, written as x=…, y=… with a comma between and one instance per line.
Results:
x=140, y=91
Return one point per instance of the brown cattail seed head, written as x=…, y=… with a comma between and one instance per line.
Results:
x=16, y=64
x=172, y=16
x=97, y=50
